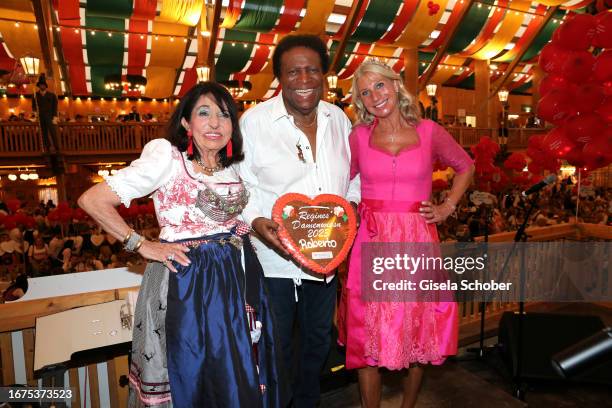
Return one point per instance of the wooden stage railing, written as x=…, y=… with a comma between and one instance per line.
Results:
x=22, y=139
x=19, y=139
x=17, y=325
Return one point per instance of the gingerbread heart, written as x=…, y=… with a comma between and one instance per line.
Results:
x=317, y=232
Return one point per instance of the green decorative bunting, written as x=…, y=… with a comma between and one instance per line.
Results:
x=523, y=89
x=259, y=15
x=376, y=20
x=544, y=36
x=234, y=57
x=424, y=57
x=467, y=83
x=470, y=27
x=110, y=8
x=350, y=46
x=104, y=53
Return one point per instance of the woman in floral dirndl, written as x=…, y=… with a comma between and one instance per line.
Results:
x=203, y=333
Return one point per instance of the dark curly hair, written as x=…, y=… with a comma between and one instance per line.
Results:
x=307, y=41
x=177, y=135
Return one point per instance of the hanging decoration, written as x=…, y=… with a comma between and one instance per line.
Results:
x=237, y=88
x=576, y=95
x=126, y=84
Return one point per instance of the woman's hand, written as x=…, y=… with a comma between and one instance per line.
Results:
x=165, y=253
x=435, y=213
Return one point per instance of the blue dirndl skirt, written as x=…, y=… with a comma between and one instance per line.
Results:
x=211, y=361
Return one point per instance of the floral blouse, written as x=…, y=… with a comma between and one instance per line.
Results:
x=169, y=177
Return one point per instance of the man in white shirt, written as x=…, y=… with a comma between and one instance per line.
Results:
x=296, y=143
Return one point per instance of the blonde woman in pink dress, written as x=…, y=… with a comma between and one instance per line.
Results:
x=394, y=151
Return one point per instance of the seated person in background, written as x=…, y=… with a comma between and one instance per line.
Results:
x=16, y=290
x=38, y=255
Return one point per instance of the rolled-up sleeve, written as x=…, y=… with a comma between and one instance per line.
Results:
x=144, y=175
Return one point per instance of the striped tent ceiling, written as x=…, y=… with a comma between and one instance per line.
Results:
x=158, y=39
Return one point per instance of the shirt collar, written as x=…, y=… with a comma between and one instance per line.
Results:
x=279, y=110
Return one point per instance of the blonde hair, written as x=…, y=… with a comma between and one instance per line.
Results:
x=407, y=103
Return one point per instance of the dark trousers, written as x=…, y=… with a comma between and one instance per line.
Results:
x=313, y=313
x=49, y=134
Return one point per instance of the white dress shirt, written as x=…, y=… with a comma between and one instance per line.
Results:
x=272, y=168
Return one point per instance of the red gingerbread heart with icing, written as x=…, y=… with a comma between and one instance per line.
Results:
x=317, y=232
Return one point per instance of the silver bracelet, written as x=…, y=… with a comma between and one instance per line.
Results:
x=132, y=242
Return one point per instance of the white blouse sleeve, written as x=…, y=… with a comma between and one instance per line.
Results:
x=146, y=174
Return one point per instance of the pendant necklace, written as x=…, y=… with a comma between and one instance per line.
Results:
x=298, y=145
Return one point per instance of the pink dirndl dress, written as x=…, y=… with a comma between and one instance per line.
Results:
x=396, y=334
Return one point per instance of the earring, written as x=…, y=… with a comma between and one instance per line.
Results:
x=189, y=142
x=229, y=149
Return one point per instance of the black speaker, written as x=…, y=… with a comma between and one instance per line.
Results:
x=543, y=336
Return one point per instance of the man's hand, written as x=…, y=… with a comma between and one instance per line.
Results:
x=266, y=229
x=54, y=120
x=356, y=209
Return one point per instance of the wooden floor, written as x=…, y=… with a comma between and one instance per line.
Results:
x=469, y=382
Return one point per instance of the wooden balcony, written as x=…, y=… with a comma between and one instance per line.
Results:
x=21, y=141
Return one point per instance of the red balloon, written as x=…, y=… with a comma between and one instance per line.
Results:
x=554, y=81
x=605, y=110
x=13, y=204
x=575, y=157
x=577, y=32
x=556, y=106
x=589, y=97
x=558, y=143
x=602, y=69
x=134, y=210
x=439, y=185
x=516, y=161
x=584, y=128
x=578, y=67
x=534, y=167
x=596, y=155
x=552, y=57
x=603, y=30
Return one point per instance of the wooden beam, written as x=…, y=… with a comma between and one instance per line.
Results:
x=411, y=71
x=441, y=52
x=214, y=35
x=43, y=15
x=501, y=81
x=351, y=19
x=59, y=48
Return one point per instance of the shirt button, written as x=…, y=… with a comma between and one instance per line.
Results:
x=307, y=147
x=319, y=188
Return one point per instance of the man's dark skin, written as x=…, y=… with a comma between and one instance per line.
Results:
x=300, y=69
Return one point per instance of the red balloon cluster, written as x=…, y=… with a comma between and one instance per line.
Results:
x=576, y=95
x=433, y=8
x=136, y=209
x=439, y=185
x=516, y=161
x=488, y=176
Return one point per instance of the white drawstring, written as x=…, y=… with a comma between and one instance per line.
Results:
x=296, y=282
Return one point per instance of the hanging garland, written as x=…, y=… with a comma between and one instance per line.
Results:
x=376, y=20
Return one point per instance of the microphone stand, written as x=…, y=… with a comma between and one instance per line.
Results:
x=520, y=236
x=483, y=305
